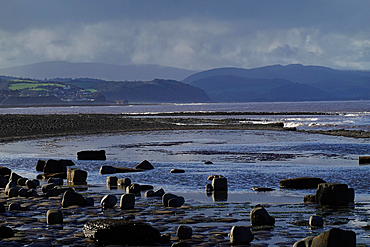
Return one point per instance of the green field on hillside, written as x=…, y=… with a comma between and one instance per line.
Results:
x=32, y=86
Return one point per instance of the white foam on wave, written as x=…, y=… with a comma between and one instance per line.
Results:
x=292, y=125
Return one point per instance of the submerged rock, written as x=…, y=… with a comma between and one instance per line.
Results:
x=301, y=183
x=121, y=232
x=91, y=155
x=334, y=194
x=145, y=165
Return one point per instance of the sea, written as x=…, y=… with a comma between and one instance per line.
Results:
x=247, y=158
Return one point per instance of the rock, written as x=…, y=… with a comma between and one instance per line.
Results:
x=57, y=191
x=165, y=238
x=184, y=232
x=71, y=198
x=219, y=195
x=333, y=194
x=3, y=181
x=149, y=193
x=260, y=217
x=55, y=166
x=31, y=184
x=22, y=192
x=211, y=177
x=76, y=176
x=4, y=171
x=31, y=193
x=177, y=171
x=22, y=181
x=144, y=187
x=89, y=201
x=6, y=232
x=134, y=188
x=10, y=185
x=262, y=189
x=54, y=216
x=144, y=165
x=67, y=162
x=159, y=192
x=316, y=220
x=14, y=177
x=91, y=155
x=2, y=207
x=107, y=170
x=364, y=160
x=306, y=242
x=14, y=206
x=309, y=198
x=351, y=195
x=124, y=181
x=62, y=175
x=178, y=202
x=46, y=187
x=301, y=183
x=209, y=187
x=108, y=201
x=121, y=232
x=219, y=184
x=335, y=238
x=12, y=192
x=127, y=201
x=55, y=181
x=240, y=235
x=40, y=165
x=208, y=162
x=112, y=180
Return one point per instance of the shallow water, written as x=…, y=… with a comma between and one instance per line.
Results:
x=246, y=158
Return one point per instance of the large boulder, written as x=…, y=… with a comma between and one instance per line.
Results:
x=40, y=165
x=334, y=194
x=108, y=201
x=71, y=198
x=134, y=189
x=260, y=217
x=55, y=166
x=144, y=165
x=76, y=175
x=219, y=184
x=335, y=238
x=6, y=232
x=301, y=183
x=127, y=201
x=107, y=170
x=3, y=181
x=54, y=216
x=14, y=177
x=240, y=235
x=91, y=155
x=184, y=232
x=171, y=200
x=121, y=232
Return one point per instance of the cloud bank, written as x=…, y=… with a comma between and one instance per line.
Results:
x=189, y=35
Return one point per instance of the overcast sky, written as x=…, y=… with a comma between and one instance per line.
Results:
x=197, y=35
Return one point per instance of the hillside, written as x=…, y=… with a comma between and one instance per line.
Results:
x=102, y=71
x=265, y=83
x=92, y=91
x=157, y=90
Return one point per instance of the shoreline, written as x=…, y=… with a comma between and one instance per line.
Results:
x=24, y=126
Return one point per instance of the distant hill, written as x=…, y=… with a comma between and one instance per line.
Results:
x=282, y=83
x=157, y=90
x=96, y=70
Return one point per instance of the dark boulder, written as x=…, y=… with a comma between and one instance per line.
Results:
x=260, y=217
x=335, y=238
x=301, y=183
x=334, y=194
x=71, y=198
x=40, y=165
x=145, y=165
x=107, y=170
x=171, y=200
x=6, y=232
x=55, y=166
x=177, y=171
x=76, y=175
x=364, y=160
x=91, y=155
x=121, y=232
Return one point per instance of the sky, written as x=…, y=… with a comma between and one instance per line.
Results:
x=188, y=34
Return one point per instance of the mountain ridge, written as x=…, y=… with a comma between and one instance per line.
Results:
x=109, y=72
